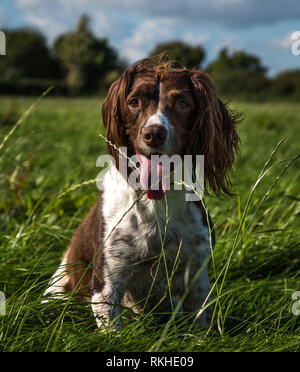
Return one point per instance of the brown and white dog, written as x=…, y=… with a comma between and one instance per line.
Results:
x=138, y=249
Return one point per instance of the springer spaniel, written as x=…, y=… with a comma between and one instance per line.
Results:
x=138, y=248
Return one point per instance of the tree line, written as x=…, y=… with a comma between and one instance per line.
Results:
x=80, y=63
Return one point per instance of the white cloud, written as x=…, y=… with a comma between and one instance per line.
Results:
x=157, y=30
x=147, y=35
x=57, y=16
x=228, y=40
x=196, y=38
x=223, y=13
x=134, y=27
x=50, y=18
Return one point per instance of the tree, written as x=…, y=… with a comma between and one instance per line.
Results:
x=28, y=56
x=86, y=58
x=238, y=73
x=286, y=85
x=187, y=55
x=237, y=61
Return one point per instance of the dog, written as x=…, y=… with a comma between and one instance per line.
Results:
x=142, y=248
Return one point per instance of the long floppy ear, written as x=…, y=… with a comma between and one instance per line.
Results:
x=113, y=109
x=112, y=118
x=214, y=134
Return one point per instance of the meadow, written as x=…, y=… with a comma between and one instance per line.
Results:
x=47, y=185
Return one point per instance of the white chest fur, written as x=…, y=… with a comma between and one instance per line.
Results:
x=150, y=248
x=143, y=226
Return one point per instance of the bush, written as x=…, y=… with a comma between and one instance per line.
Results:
x=234, y=83
x=86, y=58
x=182, y=53
x=8, y=115
x=239, y=75
x=28, y=57
x=32, y=87
x=287, y=85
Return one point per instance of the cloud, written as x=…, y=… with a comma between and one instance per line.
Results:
x=196, y=38
x=147, y=35
x=158, y=30
x=57, y=16
x=134, y=27
x=50, y=17
x=226, y=13
x=223, y=13
x=227, y=40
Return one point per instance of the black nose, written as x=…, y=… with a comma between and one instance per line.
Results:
x=154, y=135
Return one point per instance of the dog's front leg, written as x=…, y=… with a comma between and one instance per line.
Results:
x=106, y=307
x=107, y=297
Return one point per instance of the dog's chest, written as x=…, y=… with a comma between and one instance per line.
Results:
x=139, y=230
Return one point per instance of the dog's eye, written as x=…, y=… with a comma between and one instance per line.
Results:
x=182, y=104
x=134, y=102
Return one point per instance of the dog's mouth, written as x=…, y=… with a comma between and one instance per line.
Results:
x=152, y=177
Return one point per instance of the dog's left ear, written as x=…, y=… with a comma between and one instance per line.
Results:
x=213, y=134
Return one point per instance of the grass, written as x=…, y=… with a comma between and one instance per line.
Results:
x=47, y=165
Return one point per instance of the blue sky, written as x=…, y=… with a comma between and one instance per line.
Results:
x=134, y=27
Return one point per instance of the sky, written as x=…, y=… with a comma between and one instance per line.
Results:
x=134, y=27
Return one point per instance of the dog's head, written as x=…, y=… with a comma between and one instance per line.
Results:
x=154, y=109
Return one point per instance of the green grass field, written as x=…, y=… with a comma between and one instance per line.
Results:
x=45, y=166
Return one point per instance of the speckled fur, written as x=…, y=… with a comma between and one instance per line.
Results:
x=134, y=231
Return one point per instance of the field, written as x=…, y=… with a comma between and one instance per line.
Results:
x=47, y=172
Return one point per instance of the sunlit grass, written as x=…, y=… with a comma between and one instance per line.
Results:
x=47, y=173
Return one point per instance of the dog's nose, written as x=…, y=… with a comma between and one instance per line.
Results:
x=154, y=135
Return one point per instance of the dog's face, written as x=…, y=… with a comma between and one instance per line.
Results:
x=154, y=109
x=158, y=113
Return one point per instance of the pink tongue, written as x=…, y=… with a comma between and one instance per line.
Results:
x=146, y=169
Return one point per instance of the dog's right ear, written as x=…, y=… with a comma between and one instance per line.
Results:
x=113, y=118
x=114, y=108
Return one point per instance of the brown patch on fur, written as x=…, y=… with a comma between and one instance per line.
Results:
x=84, y=249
